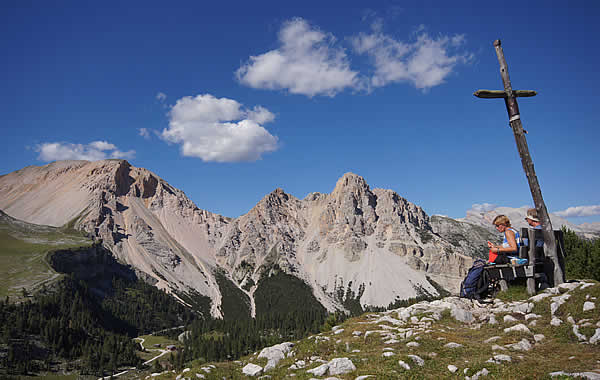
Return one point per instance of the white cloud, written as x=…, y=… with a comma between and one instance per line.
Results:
x=130, y=154
x=425, y=63
x=483, y=207
x=161, y=96
x=144, y=133
x=579, y=211
x=102, y=145
x=219, y=129
x=306, y=62
x=94, y=151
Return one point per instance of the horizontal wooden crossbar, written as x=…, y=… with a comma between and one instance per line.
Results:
x=493, y=94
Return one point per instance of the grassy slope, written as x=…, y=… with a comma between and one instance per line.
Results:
x=23, y=249
x=559, y=350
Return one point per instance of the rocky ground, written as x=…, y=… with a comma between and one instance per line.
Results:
x=555, y=333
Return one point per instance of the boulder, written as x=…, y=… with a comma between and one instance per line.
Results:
x=340, y=366
x=252, y=370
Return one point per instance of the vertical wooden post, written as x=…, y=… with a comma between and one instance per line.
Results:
x=517, y=127
x=531, y=257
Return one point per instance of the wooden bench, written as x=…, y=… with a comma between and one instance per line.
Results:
x=539, y=269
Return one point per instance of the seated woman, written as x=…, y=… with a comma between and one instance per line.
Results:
x=510, y=246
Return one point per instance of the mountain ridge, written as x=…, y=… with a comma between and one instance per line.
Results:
x=371, y=241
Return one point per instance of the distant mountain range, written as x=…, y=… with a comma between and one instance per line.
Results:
x=517, y=219
x=355, y=242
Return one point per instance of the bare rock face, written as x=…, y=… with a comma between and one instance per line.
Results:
x=467, y=237
x=373, y=242
x=143, y=220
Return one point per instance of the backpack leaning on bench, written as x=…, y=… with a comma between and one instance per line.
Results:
x=476, y=283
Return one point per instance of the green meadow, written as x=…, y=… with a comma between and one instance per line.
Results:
x=23, y=254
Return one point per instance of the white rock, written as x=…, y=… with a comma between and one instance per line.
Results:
x=587, y=284
x=519, y=328
x=412, y=344
x=584, y=375
x=509, y=318
x=533, y=323
x=588, y=306
x=417, y=359
x=532, y=316
x=364, y=377
x=357, y=333
x=539, y=337
x=274, y=354
x=320, y=370
x=569, y=285
x=388, y=354
x=492, y=339
x=453, y=345
x=462, y=315
x=571, y=320
x=555, y=321
x=252, y=369
x=200, y=376
x=595, y=339
x=355, y=351
x=493, y=320
x=521, y=307
x=579, y=336
x=557, y=301
x=392, y=341
x=502, y=358
x=496, y=347
x=340, y=366
x=452, y=368
x=523, y=345
x=403, y=365
x=540, y=297
x=483, y=372
x=339, y=331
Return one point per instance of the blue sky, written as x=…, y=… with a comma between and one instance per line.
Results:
x=230, y=100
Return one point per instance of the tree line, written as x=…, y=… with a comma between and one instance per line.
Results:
x=582, y=256
x=74, y=327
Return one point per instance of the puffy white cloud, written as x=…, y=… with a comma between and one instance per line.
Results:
x=579, y=211
x=219, y=129
x=306, y=62
x=94, y=151
x=425, y=63
x=102, y=145
x=483, y=207
x=144, y=133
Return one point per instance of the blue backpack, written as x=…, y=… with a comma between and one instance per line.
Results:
x=475, y=284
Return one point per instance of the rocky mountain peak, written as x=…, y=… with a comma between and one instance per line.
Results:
x=350, y=182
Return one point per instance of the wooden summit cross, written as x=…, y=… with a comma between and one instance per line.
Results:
x=510, y=98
